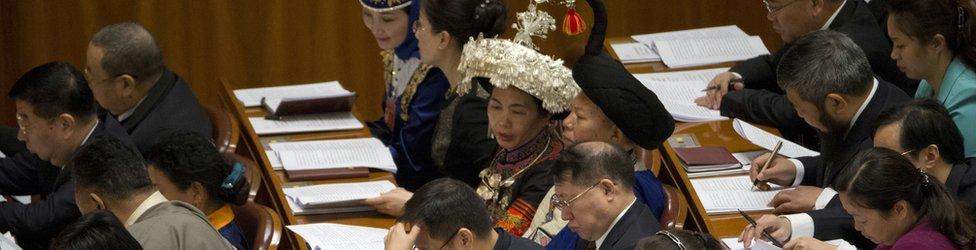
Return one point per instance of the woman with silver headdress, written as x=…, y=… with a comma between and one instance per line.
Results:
x=528, y=88
x=414, y=91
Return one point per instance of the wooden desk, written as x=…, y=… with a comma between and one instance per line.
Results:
x=271, y=193
x=650, y=67
x=718, y=133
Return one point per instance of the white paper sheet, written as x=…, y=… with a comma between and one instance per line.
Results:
x=703, y=75
x=678, y=98
x=274, y=159
x=734, y=244
x=310, y=155
x=698, y=52
x=7, y=242
x=732, y=193
x=252, y=97
x=699, y=33
x=340, y=237
x=339, y=194
x=768, y=140
x=635, y=52
x=306, y=123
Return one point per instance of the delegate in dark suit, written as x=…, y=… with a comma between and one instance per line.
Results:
x=638, y=222
x=833, y=222
x=35, y=224
x=763, y=101
x=962, y=182
x=169, y=105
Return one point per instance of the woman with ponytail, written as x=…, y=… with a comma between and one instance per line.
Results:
x=460, y=146
x=934, y=42
x=898, y=206
x=186, y=167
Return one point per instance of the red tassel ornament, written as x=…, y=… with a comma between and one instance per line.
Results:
x=573, y=23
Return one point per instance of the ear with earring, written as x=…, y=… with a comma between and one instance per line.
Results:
x=491, y=134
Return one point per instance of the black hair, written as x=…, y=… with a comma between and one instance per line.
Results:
x=879, y=177
x=689, y=239
x=111, y=168
x=822, y=63
x=588, y=162
x=927, y=115
x=129, y=49
x=96, y=230
x=923, y=19
x=444, y=206
x=187, y=157
x=55, y=88
x=464, y=19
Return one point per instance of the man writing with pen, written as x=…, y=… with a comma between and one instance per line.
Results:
x=829, y=81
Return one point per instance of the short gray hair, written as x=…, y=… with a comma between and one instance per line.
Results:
x=129, y=49
x=824, y=62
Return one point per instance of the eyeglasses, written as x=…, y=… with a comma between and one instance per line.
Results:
x=773, y=10
x=451, y=238
x=560, y=204
x=673, y=238
x=907, y=152
x=416, y=26
x=22, y=123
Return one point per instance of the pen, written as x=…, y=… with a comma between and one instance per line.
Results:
x=769, y=160
x=715, y=87
x=764, y=233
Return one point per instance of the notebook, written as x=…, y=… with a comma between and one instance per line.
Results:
x=305, y=123
x=703, y=159
x=745, y=164
x=721, y=195
x=288, y=106
x=768, y=140
x=328, y=236
x=251, y=97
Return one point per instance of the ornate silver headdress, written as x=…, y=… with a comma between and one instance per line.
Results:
x=507, y=63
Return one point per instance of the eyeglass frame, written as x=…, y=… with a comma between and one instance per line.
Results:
x=23, y=125
x=561, y=205
x=674, y=238
x=772, y=10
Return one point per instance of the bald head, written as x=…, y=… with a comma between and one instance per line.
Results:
x=589, y=162
x=128, y=49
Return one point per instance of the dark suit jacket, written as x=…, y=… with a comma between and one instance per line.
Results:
x=637, y=223
x=771, y=108
x=821, y=170
x=35, y=224
x=962, y=182
x=833, y=221
x=170, y=105
x=507, y=241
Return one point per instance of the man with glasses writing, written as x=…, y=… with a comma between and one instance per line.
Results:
x=56, y=116
x=594, y=183
x=758, y=99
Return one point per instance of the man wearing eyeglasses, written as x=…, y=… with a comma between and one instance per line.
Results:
x=756, y=96
x=594, y=189
x=448, y=214
x=126, y=73
x=56, y=116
